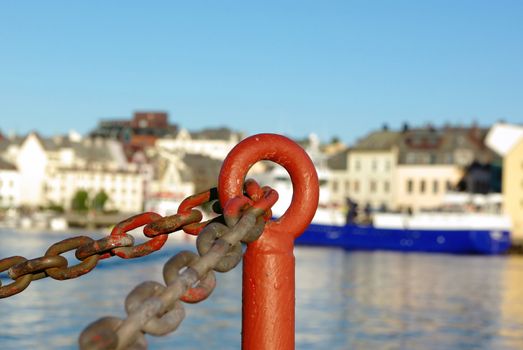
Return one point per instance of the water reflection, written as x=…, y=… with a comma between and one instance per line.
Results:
x=344, y=301
x=397, y=301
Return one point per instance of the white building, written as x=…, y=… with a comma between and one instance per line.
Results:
x=213, y=143
x=9, y=185
x=123, y=188
x=52, y=170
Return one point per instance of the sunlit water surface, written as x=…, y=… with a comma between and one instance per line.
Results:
x=363, y=300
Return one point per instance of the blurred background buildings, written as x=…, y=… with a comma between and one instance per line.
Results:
x=147, y=163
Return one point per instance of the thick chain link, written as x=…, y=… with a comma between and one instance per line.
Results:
x=156, y=309
x=89, y=251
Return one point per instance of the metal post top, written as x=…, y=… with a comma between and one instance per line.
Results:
x=289, y=155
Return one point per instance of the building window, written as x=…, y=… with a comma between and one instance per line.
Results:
x=334, y=186
x=410, y=158
x=357, y=165
x=422, y=186
x=347, y=186
x=374, y=165
x=386, y=186
x=356, y=186
x=373, y=186
x=448, y=185
x=435, y=186
x=410, y=186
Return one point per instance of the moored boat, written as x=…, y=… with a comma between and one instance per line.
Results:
x=454, y=231
x=437, y=240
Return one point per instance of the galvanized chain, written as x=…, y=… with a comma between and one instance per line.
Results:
x=89, y=251
x=156, y=309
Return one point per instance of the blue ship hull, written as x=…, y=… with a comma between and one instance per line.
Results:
x=356, y=237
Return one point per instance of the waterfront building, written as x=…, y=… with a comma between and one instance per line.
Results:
x=339, y=181
x=9, y=185
x=507, y=141
x=124, y=188
x=413, y=169
x=424, y=186
x=372, y=170
x=145, y=123
x=365, y=172
x=52, y=170
x=138, y=133
x=212, y=143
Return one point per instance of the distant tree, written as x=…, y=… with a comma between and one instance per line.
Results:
x=80, y=201
x=57, y=208
x=99, y=200
x=335, y=139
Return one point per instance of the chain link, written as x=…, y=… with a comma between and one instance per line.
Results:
x=90, y=251
x=155, y=309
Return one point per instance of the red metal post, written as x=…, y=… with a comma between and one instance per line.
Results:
x=268, y=265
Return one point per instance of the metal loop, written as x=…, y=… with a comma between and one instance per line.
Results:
x=286, y=153
x=171, y=271
x=100, y=335
x=103, y=245
x=208, y=237
x=157, y=326
x=65, y=273
x=36, y=267
x=142, y=249
x=19, y=284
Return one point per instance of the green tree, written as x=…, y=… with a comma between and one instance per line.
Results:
x=99, y=201
x=79, y=202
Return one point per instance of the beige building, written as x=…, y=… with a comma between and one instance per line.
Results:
x=513, y=187
x=411, y=169
x=365, y=173
x=420, y=186
x=507, y=141
x=371, y=177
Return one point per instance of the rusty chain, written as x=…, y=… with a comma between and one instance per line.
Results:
x=89, y=251
x=155, y=309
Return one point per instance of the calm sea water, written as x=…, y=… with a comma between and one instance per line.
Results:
x=362, y=300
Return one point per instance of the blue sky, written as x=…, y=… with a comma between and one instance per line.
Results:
x=336, y=68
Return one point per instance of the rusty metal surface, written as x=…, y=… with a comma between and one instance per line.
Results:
x=156, y=309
